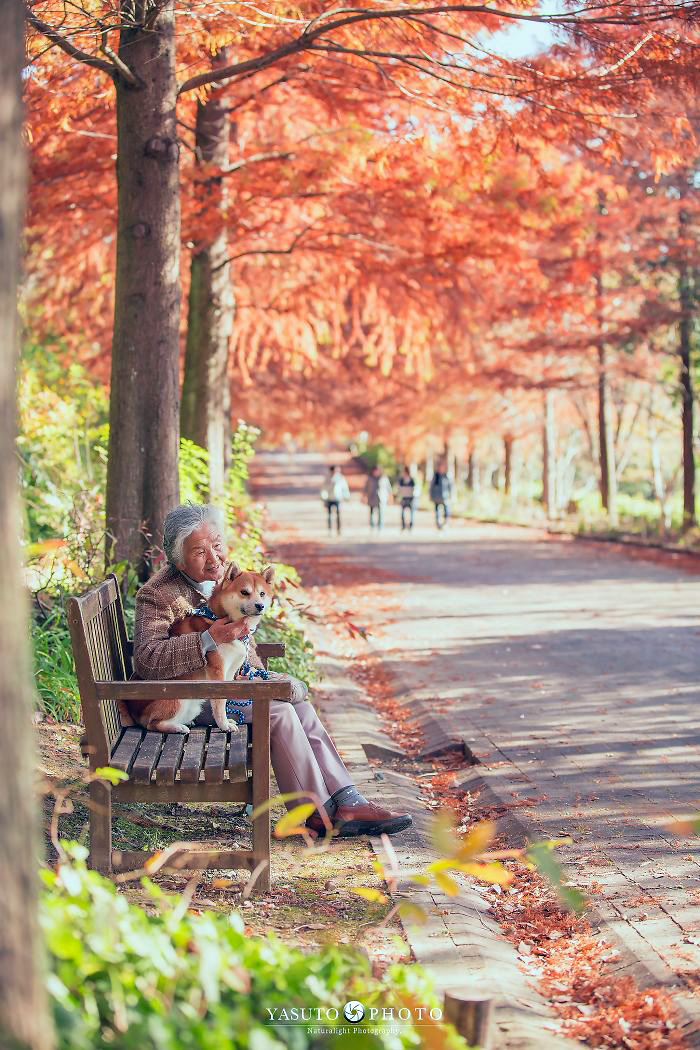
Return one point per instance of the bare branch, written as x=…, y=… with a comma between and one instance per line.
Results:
x=265, y=251
x=70, y=49
x=579, y=18
x=121, y=66
x=256, y=158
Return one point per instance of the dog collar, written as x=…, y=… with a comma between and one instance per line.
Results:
x=204, y=610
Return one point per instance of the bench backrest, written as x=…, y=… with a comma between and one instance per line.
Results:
x=101, y=653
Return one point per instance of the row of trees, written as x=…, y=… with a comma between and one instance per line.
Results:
x=373, y=187
x=372, y=207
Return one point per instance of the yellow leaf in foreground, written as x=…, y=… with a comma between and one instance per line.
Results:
x=412, y=913
x=290, y=823
x=446, y=884
x=442, y=833
x=477, y=840
x=488, y=872
x=370, y=894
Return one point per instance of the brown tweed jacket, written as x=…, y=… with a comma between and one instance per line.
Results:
x=165, y=598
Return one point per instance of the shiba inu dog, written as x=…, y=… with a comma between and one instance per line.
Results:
x=243, y=597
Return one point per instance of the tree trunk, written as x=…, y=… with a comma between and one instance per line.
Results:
x=429, y=469
x=549, y=465
x=473, y=476
x=142, y=479
x=508, y=463
x=686, y=383
x=205, y=414
x=661, y=489
x=24, y=1018
x=606, y=441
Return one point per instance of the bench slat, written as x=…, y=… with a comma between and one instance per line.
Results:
x=170, y=756
x=237, y=769
x=145, y=761
x=125, y=751
x=206, y=689
x=216, y=756
x=192, y=756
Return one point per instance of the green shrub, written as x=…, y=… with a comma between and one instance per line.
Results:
x=54, y=671
x=72, y=561
x=378, y=455
x=61, y=445
x=122, y=978
x=299, y=658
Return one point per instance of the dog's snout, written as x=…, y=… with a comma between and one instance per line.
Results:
x=260, y=606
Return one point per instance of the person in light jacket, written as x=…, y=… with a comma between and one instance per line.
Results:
x=377, y=494
x=333, y=493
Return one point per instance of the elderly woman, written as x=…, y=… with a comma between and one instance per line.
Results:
x=303, y=755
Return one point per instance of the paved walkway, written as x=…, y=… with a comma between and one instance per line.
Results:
x=571, y=670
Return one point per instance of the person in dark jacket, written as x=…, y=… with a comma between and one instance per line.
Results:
x=440, y=493
x=407, y=492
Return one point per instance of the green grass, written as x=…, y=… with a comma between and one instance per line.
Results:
x=54, y=672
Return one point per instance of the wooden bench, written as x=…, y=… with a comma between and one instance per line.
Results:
x=207, y=766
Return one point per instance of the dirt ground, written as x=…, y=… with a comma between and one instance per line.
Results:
x=311, y=901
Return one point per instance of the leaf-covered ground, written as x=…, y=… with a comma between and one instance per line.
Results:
x=566, y=959
x=311, y=900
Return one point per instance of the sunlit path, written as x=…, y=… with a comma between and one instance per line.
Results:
x=573, y=668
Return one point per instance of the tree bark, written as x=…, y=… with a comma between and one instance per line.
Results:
x=549, y=465
x=142, y=478
x=473, y=478
x=685, y=377
x=205, y=413
x=606, y=441
x=24, y=1017
x=508, y=463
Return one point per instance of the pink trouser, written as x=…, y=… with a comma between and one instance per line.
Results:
x=303, y=756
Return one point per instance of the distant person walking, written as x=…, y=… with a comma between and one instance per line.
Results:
x=377, y=494
x=440, y=493
x=407, y=491
x=333, y=493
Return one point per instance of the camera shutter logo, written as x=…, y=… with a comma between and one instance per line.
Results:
x=353, y=1011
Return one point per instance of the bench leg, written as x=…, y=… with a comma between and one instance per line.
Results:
x=261, y=789
x=101, y=827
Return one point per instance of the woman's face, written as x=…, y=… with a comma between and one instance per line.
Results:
x=203, y=554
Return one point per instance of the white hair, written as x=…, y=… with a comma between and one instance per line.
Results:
x=182, y=521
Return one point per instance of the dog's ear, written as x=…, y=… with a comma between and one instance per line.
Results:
x=268, y=574
x=231, y=571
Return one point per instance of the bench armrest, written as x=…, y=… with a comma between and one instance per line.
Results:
x=193, y=690
x=266, y=650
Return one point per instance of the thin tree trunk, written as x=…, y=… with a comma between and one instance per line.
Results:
x=606, y=441
x=661, y=489
x=549, y=465
x=24, y=1017
x=686, y=383
x=205, y=414
x=473, y=475
x=429, y=469
x=142, y=479
x=508, y=463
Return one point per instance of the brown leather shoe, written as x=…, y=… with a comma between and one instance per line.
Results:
x=361, y=820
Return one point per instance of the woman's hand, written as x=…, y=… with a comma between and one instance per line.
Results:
x=226, y=630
